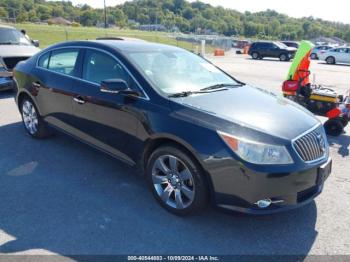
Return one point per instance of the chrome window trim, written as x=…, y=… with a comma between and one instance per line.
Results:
x=326, y=154
x=145, y=96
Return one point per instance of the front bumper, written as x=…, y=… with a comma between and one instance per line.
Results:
x=6, y=81
x=241, y=190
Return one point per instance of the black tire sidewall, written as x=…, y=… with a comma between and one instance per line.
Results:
x=201, y=188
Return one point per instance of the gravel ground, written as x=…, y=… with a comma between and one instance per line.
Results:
x=58, y=196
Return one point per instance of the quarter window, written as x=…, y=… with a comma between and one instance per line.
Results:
x=44, y=60
x=63, y=61
x=99, y=66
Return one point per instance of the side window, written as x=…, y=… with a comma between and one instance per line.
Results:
x=44, y=60
x=63, y=61
x=99, y=66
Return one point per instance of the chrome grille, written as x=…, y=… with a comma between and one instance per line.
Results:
x=311, y=146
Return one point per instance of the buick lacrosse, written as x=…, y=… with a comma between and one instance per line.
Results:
x=199, y=135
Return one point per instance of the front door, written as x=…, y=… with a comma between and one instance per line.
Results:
x=106, y=120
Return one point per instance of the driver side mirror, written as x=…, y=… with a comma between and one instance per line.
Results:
x=36, y=43
x=117, y=86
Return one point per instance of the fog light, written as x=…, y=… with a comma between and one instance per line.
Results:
x=264, y=203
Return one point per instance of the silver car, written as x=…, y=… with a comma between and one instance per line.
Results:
x=14, y=47
x=336, y=55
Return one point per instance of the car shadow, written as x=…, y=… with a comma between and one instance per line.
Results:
x=342, y=142
x=61, y=196
x=324, y=63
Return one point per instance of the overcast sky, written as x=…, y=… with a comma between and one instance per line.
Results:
x=335, y=10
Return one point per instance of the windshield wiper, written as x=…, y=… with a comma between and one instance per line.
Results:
x=202, y=91
x=220, y=86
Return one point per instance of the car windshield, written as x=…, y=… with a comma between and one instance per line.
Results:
x=9, y=36
x=177, y=71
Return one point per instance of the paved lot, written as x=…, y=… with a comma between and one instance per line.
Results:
x=60, y=196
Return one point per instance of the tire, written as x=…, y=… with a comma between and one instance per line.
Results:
x=179, y=187
x=345, y=121
x=255, y=55
x=284, y=57
x=330, y=60
x=32, y=121
x=334, y=127
x=313, y=56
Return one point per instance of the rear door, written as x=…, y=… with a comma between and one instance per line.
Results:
x=57, y=71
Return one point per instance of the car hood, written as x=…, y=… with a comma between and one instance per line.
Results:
x=254, y=108
x=18, y=50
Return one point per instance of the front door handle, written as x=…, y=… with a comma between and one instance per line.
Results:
x=36, y=85
x=79, y=100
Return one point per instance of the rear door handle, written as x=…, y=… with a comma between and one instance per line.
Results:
x=79, y=100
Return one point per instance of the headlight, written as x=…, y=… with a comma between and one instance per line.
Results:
x=257, y=153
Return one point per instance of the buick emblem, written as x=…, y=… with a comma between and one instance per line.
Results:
x=322, y=143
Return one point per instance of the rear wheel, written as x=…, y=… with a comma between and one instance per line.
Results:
x=334, y=127
x=255, y=55
x=32, y=121
x=330, y=60
x=177, y=181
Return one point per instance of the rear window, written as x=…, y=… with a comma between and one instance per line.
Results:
x=63, y=61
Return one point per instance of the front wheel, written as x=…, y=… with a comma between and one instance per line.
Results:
x=32, y=121
x=334, y=127
x=177, y=181
x=313, y=56
x=284, y=57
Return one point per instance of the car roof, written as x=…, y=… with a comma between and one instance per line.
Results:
x=120, y=45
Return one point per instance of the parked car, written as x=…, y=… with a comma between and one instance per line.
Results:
x=336, y=55
x=14, y=47
x=317, y=50
x=259, y=50
x=291, y=44
x=198, y=134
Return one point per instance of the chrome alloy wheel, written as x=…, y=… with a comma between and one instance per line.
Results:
x=173, y=182
x=30, y=117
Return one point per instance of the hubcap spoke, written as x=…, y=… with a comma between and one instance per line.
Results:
x=166, y=193
x=178, y=199
x=160, y=165
x=159, y=179
x=173, y=163
x=187, y=192
x=185, y=174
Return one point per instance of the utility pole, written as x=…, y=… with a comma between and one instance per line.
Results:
x=105, y=12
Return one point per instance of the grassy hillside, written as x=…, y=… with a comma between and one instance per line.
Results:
x=50, y=34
